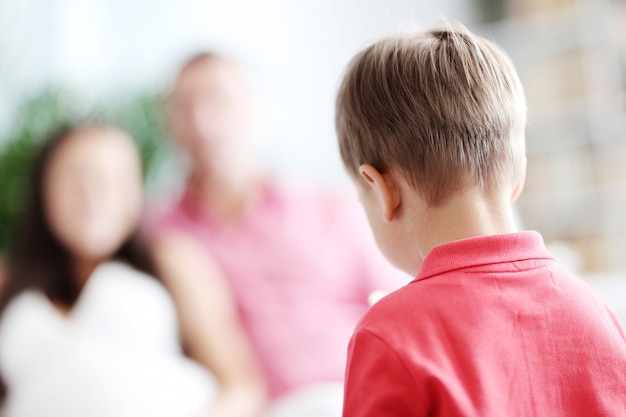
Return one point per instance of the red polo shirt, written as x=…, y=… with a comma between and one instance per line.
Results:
x=491, y=326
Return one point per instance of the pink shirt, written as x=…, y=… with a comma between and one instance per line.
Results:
x=301, y=265
x=491, y=326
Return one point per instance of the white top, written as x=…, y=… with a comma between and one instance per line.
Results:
x=116, y=354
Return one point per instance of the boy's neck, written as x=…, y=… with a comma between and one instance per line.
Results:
x=468, y=215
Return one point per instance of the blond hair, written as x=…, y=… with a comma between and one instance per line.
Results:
x=445, y=107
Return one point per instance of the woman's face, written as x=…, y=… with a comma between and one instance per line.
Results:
x=92, y=192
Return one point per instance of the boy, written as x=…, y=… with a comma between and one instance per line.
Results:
x=431, y=128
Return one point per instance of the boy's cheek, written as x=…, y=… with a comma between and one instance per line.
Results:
x=396, y=251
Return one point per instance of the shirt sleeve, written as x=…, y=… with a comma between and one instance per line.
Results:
x=616, y=322
x=377, y=382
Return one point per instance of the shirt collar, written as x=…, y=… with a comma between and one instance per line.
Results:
x=502, y=249
x=269, y=197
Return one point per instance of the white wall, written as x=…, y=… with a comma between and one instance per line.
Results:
x=297, y=49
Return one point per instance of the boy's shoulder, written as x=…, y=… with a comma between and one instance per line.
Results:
x=395, y=310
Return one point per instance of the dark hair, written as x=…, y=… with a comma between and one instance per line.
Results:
x=198, y=57
x=37, y=260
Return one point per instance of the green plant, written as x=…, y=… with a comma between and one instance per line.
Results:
x=39, y=115
x=141, y=115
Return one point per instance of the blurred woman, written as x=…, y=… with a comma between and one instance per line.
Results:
x=86, y=327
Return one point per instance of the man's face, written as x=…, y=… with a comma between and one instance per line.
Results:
x=211, y=112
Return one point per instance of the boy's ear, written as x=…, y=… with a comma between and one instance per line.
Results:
x=386, y=189
x=519, y=186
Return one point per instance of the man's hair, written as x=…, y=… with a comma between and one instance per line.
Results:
x=444, y=107
x=199, y=58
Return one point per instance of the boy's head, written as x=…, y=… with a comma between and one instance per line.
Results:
x=432, y=124
x=443, y=107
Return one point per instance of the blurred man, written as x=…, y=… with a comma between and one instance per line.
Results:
x=297, y=260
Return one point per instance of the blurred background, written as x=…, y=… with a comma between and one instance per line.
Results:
x=63, y=59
